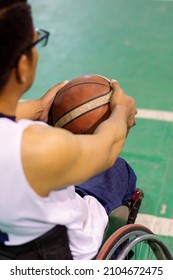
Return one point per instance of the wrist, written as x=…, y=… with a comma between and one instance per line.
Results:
x=116, y=124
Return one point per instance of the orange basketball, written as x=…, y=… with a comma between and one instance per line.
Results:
x=82, y=104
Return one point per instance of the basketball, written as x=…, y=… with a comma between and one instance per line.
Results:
x=82, y=104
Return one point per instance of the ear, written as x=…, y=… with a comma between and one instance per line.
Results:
x=22, y=69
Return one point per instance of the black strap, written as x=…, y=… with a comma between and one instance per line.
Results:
x=12, y=118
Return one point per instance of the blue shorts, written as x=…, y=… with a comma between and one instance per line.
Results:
x=111, y=187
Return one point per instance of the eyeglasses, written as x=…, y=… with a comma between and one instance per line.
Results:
x=42, y=40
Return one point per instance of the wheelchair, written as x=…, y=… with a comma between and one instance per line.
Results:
x=123, y=240
x=131, y=241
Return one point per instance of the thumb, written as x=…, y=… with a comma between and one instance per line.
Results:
x=114, y=84
x=54, y=90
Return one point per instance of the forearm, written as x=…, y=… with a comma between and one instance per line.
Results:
x=30, y=109
x=113, y=133
x=98, y=152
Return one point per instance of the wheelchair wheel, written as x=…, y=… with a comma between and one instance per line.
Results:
x=134, y=242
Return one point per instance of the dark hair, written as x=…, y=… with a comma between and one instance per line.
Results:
x=7, y=3
x=16, y=33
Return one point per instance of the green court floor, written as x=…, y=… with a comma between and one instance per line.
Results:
x=131, y=41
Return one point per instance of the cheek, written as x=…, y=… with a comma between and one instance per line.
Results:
x=33, y=67
x=35, y=60
x=35, y=57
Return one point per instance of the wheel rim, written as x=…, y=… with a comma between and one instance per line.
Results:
x=146, y=247
x=126, y=238
x=122, y=240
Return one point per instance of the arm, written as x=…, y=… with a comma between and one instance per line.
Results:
x=38, y=109
x=54, y=158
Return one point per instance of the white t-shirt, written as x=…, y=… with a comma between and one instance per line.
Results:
x=24, y=215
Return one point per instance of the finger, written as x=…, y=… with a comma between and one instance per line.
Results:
x=52, y=92
x=57, y=87
x=134, y=122
x=114, y=84
x=131, y=121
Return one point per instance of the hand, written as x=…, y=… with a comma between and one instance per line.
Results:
x=48, y=99
x=120, y=98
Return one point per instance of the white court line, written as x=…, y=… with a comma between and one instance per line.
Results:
x=160, y=226
x=155, y=115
